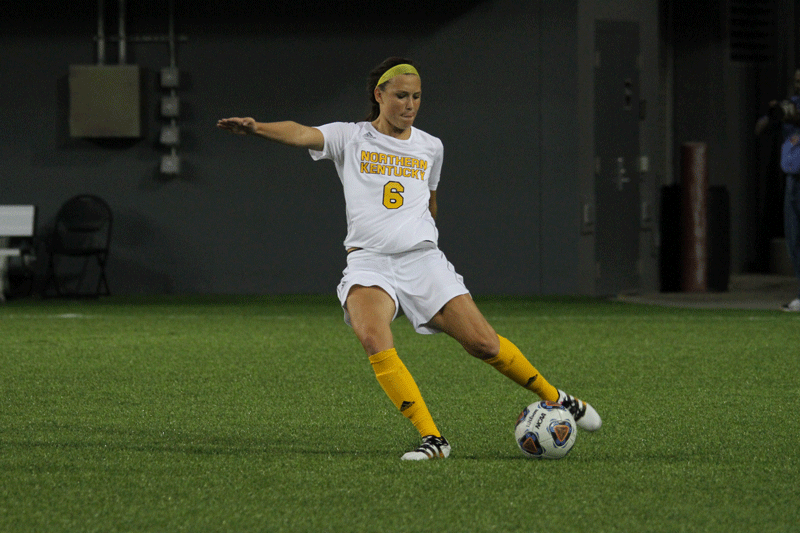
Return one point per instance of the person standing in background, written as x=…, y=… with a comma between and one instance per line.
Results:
x=785, y=114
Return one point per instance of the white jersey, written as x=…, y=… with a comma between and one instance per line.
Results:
x=387, y=184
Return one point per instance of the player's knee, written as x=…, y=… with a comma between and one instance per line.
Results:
x=484, y=345
x=371, y=345
x=374, y=340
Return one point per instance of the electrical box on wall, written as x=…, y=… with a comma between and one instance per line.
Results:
x=170, y=77
x=105, y=101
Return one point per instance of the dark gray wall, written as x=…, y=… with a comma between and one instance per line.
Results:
x=507, y=86
x=246, y=216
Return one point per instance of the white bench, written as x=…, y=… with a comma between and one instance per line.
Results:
x=15, y=221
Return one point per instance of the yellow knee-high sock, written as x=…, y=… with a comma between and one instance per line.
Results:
x=401, y=388
x=512, y=363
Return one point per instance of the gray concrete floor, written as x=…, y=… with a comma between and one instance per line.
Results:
x=745, y=291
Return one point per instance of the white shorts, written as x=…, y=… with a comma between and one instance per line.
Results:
x=419, y=281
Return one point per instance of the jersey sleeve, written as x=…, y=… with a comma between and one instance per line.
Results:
x=436, y=167
x=336, y=135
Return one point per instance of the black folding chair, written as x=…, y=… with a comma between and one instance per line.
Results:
x=82, y=230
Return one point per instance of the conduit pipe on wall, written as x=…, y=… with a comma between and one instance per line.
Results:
x=122, y=37
x=101, y=33
x=171, y=33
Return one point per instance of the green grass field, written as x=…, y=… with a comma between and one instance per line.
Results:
x=263, y=414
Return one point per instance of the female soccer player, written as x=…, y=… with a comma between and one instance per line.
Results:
x=390, y=172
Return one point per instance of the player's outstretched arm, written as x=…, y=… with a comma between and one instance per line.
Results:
x=289, y=133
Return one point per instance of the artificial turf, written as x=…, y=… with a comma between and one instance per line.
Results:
x=262, y=414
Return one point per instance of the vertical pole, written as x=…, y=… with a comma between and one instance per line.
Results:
x=694, y=218
x=101, y=32
x=172, y=60
x=123, y=39
x=171, y=33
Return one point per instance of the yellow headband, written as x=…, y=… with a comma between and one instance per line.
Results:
x=403, y=68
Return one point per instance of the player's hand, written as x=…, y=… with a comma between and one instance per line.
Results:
x=237, y=125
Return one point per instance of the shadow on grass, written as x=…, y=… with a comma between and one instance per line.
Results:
x=107, y=440
x=114, y=439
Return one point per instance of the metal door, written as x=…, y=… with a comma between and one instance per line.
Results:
x=616, y=135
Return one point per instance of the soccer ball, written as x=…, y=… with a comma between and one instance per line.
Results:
x=545, y=430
